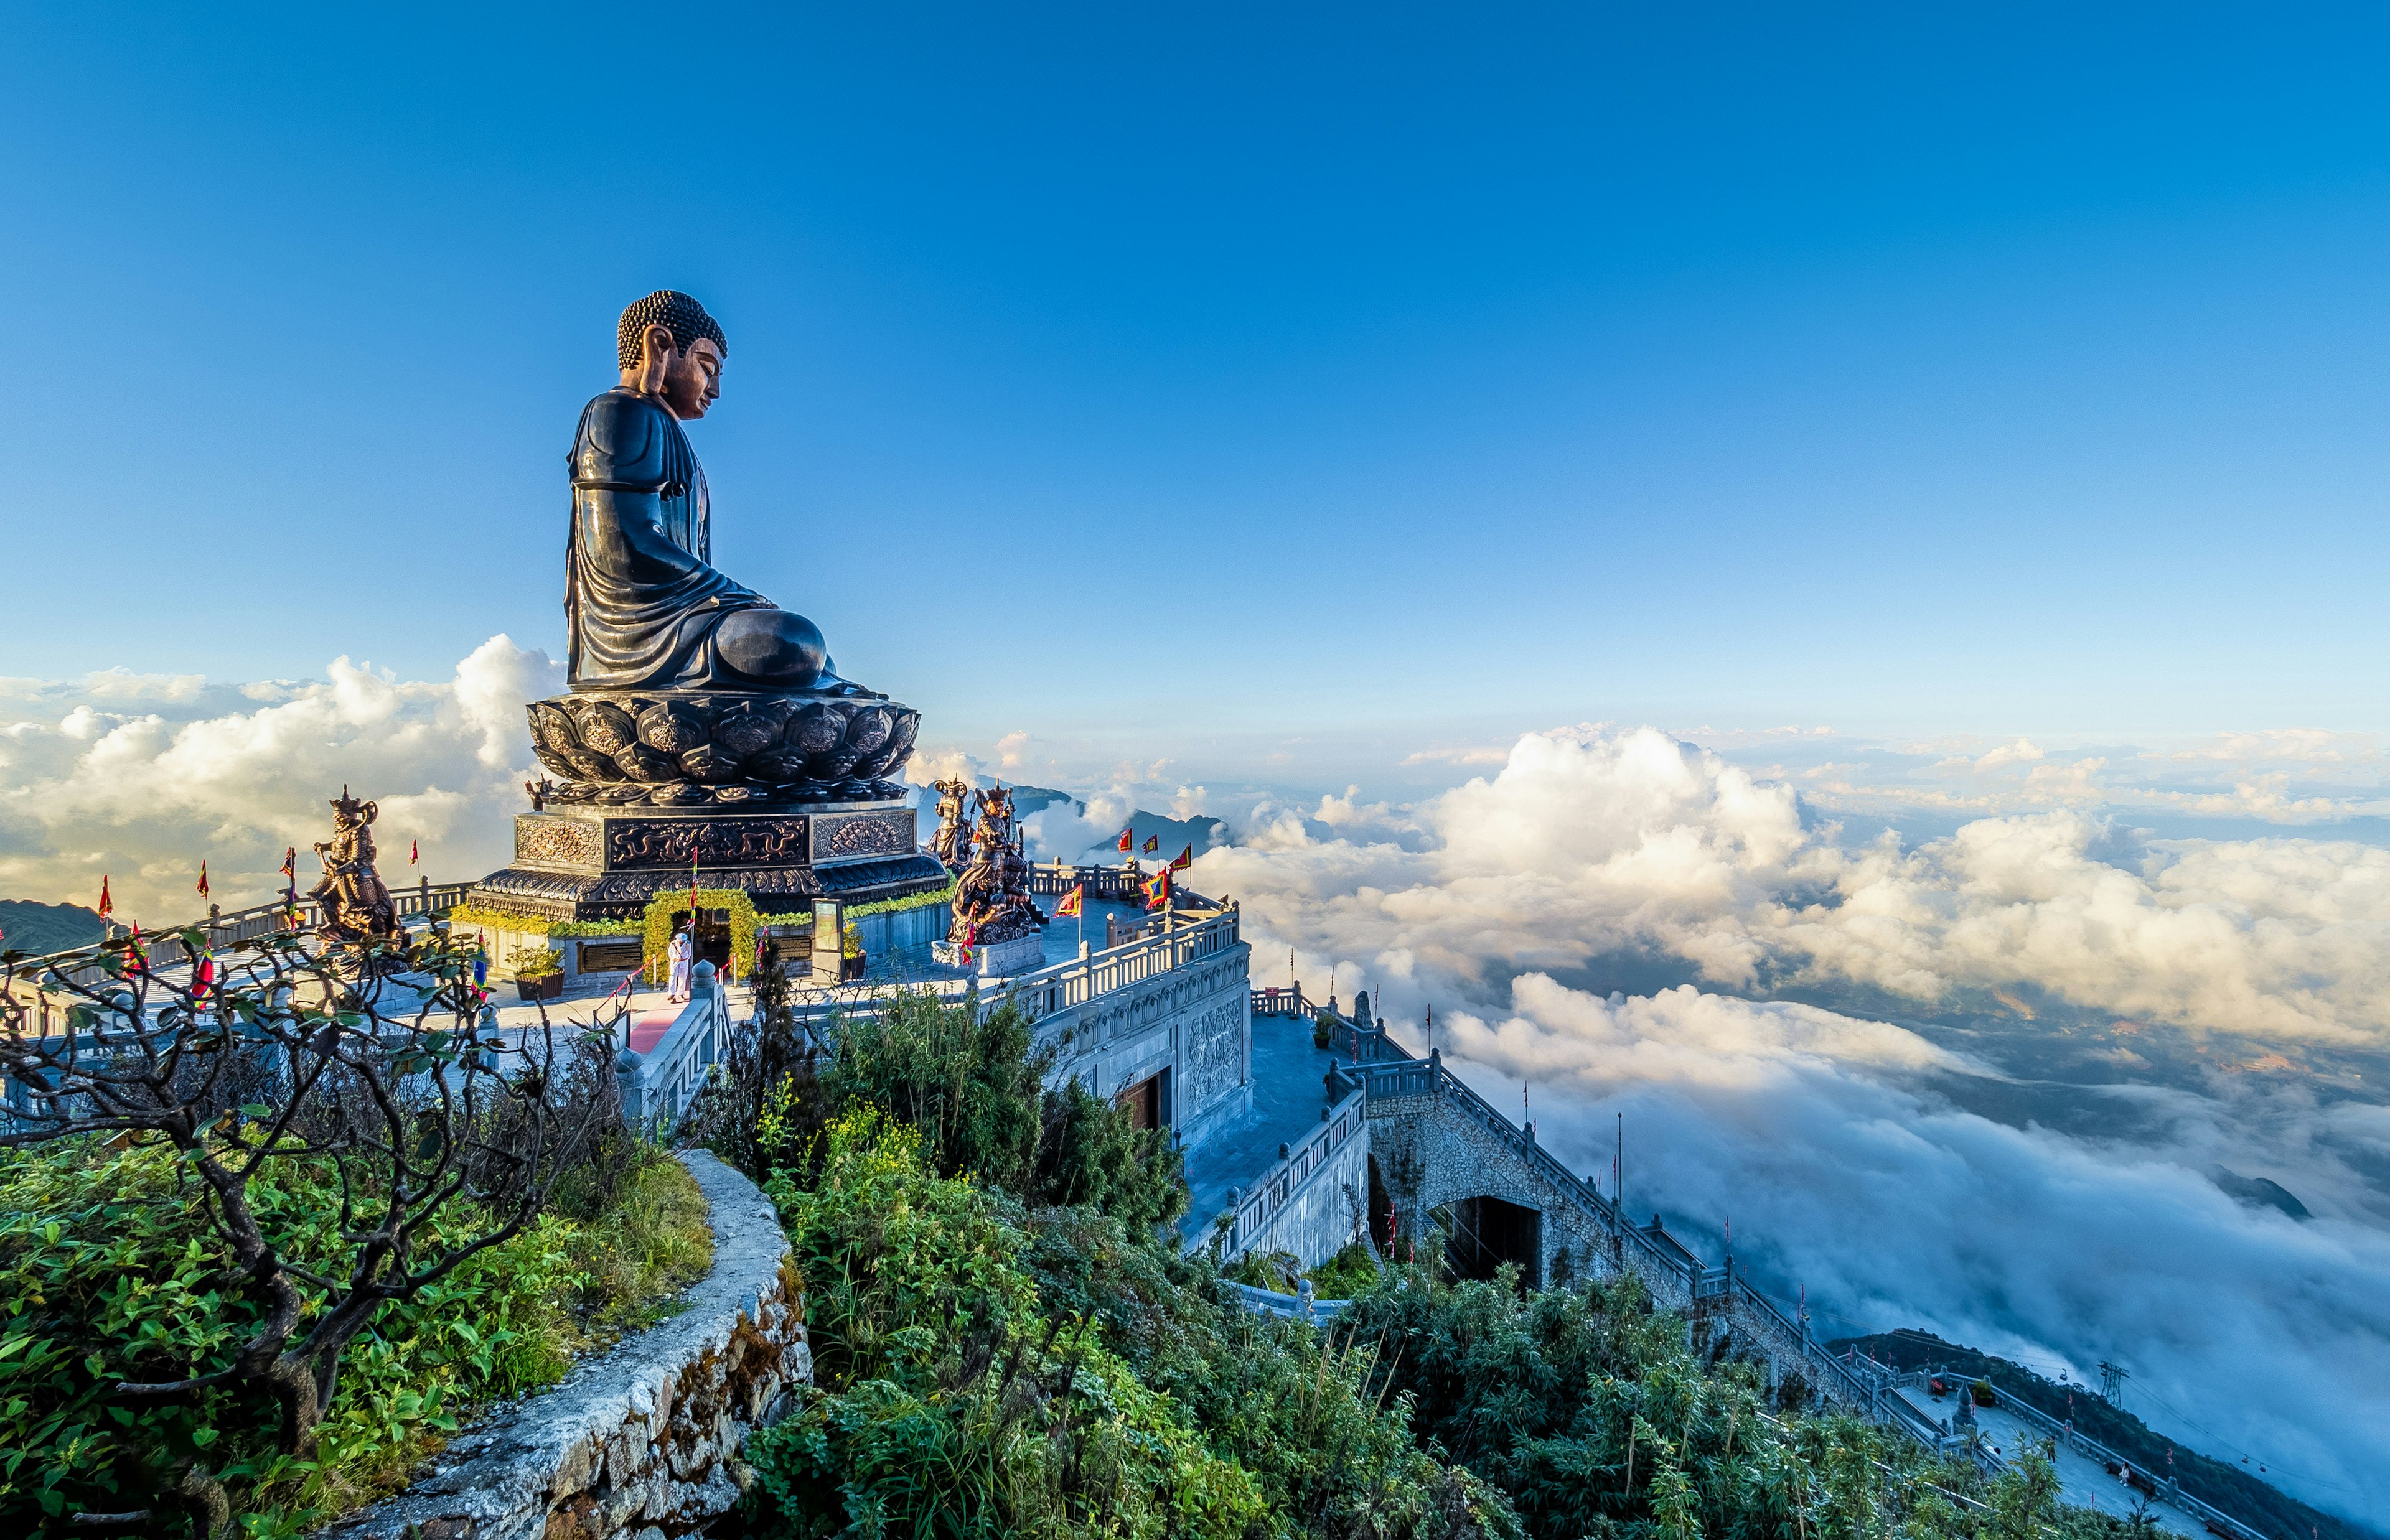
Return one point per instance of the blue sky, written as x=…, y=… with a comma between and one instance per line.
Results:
x=1165, y=377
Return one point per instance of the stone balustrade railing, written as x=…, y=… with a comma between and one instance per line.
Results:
x=163, y=948
x=1055, y=988
x=1053, y=878
x=1304, y=1162
x=2166, y=1489
x=659, y=1085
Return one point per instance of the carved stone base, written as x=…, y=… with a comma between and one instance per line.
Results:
x=682, y=748
x=606, y=863
x=995, y=959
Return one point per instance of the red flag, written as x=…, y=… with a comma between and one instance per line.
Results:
x=107, y=906
x=1125, y=840
x=1185, y=858
x=1071, y=901
x=203, y=880
x=414, y=852
x=1157, y=890
x=203, y=973
x=134, y=960
x=290, y=865
x=1152, y=844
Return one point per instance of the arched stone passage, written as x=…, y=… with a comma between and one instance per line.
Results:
x=1483, y=1232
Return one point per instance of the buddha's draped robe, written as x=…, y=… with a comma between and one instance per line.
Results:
x=640, y=597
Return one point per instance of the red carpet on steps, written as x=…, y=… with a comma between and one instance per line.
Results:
x=652, y=1025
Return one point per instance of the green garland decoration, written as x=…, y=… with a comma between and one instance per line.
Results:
x=539, y=925
x=666, y=907
x=495, y=919
x=596, y=928
x=879, y=907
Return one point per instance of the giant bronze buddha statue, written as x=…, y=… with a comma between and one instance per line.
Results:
x=647, y=608
x=688, y=689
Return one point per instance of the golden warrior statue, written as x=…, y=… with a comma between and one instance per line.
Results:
x=356, y=906
x=952, y=843
x=992, y=900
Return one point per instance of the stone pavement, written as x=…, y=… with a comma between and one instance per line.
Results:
x=1289, y=1078
x=2085, y=1482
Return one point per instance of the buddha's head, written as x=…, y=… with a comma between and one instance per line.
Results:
x=670, y=347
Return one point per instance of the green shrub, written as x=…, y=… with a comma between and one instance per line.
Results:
x=539, y=962
x=945, y=1401
x=1089, y=1151
x=965, y=1080
x=1350, y=1273
x=1586, y=1408
x=109, y=1271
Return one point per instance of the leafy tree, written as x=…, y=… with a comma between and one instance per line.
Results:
x=965, y=1078
x=986, y=1369
x=1089, y=1151
x=440, y=1145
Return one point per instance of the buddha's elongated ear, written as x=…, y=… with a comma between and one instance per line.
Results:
x=655, y=356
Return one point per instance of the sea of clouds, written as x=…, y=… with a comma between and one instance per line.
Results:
x=1944, y=1031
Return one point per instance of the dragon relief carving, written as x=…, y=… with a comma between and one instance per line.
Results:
x=708, y=843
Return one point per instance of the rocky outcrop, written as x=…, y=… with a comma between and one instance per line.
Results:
x=641, y=1442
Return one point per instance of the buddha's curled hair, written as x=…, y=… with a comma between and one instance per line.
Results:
x=677, y=313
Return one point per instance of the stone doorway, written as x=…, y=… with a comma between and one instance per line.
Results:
x=713, y=938
x=1143, y=1101
x=1483, y=1232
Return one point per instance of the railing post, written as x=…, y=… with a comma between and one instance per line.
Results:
x=1435, y=1072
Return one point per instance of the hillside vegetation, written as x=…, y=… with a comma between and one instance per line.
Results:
x=2242, y=1493
x=1005, y=1344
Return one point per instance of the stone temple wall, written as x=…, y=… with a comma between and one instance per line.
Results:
x=1318, y=1220
x=640, y=1442
x=1429, y=1154
x=1195, y=1022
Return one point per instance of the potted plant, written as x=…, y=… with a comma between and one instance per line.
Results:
x=850, y=958
x=539, y=974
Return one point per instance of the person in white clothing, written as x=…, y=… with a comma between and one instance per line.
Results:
x=683, y=948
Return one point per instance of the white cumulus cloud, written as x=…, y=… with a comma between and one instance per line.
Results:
x=143, y=798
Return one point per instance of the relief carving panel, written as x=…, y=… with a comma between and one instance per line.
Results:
x=556, y=843
x=1212, y=1055
x=647, y=843
x=844, y=835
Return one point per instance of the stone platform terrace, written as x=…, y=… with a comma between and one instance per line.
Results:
x=1288, y=1080
x=1060, y=938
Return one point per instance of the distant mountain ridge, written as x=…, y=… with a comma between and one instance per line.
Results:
x=2258, y=1192
x=1170, y=835
x=33, y=928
